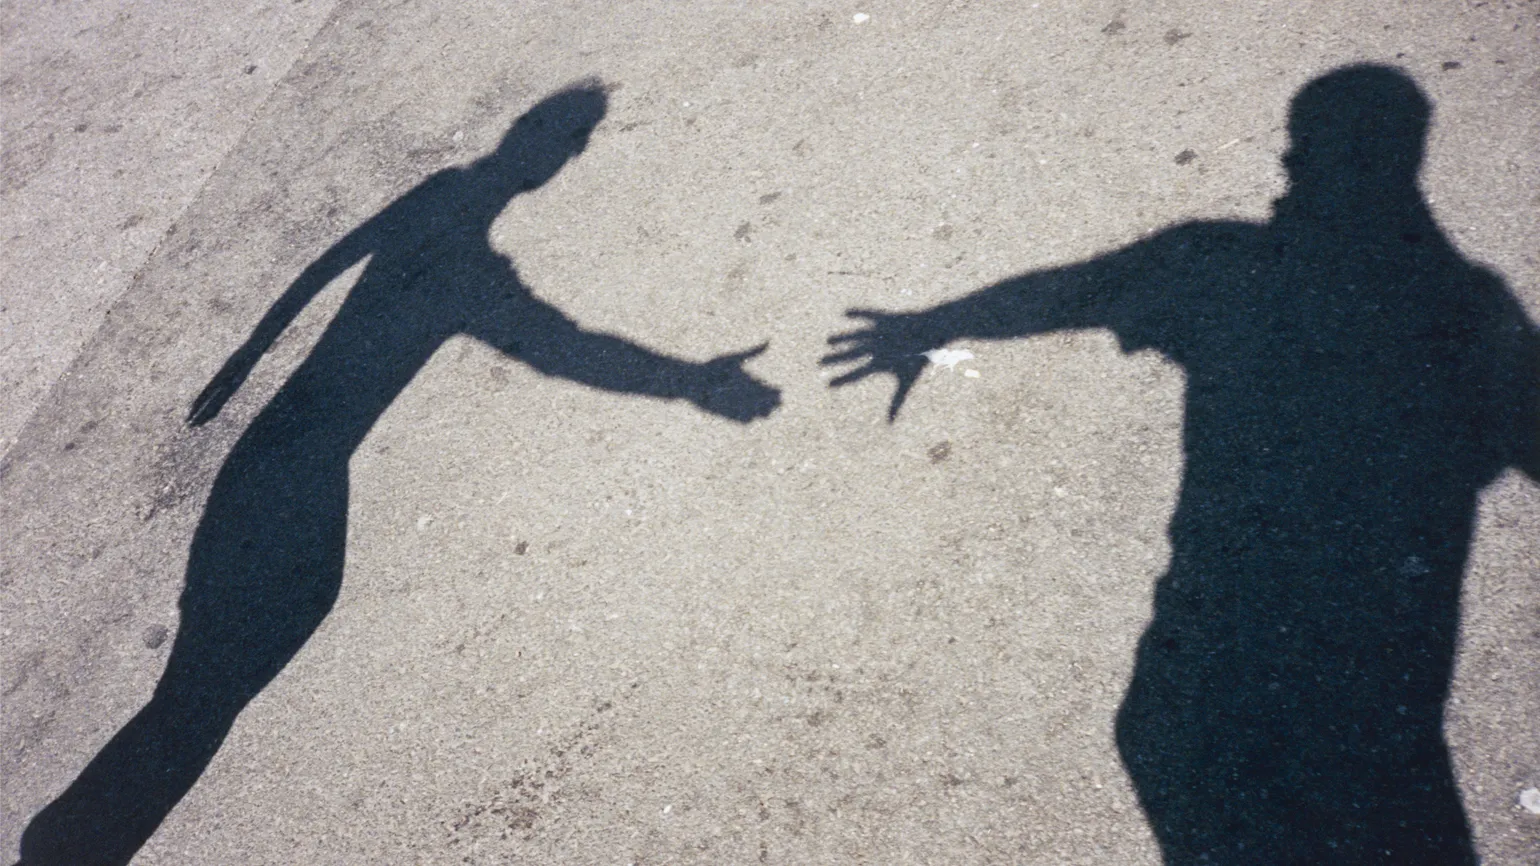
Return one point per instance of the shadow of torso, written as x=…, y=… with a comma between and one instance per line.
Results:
x=279, y=502
x=1350, y=390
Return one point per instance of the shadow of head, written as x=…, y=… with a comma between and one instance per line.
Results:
x=544, y=138
x=1356, y=135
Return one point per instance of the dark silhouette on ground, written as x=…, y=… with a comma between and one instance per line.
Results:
x=266, y=561
x=1352, y=384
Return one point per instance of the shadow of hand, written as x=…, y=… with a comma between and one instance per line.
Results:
x=892, y=343
x=226, y=382
x=722, y=387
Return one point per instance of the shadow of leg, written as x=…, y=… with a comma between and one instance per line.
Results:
x=264, y=570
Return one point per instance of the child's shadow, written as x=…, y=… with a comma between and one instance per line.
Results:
x=266, y=561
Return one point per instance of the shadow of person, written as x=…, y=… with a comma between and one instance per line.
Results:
x=266, y=560
x=1352, y=384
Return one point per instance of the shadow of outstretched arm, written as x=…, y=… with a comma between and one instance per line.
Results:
x=1084, y=295
x=553, y=344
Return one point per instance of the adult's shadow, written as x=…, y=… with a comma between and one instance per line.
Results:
x=266, y=561
x=1352, y=384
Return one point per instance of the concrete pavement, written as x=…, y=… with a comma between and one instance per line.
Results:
x=579, y=626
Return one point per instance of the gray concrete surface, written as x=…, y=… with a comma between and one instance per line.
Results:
x=115, y=114
x=580, y=627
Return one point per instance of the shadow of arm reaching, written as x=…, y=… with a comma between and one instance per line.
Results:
x=1084, y=295
x=344, y=254
x=550, y=342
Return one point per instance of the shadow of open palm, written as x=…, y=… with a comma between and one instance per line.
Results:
x=891, y=343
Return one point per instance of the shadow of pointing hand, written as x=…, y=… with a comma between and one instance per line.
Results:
x=893, y=343
x=722, y=387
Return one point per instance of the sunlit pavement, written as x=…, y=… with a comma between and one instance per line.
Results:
x=635, y=620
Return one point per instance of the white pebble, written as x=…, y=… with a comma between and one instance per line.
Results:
x=948, y=358
x=1530, y=800
x=860, y=18
x=971, y=374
